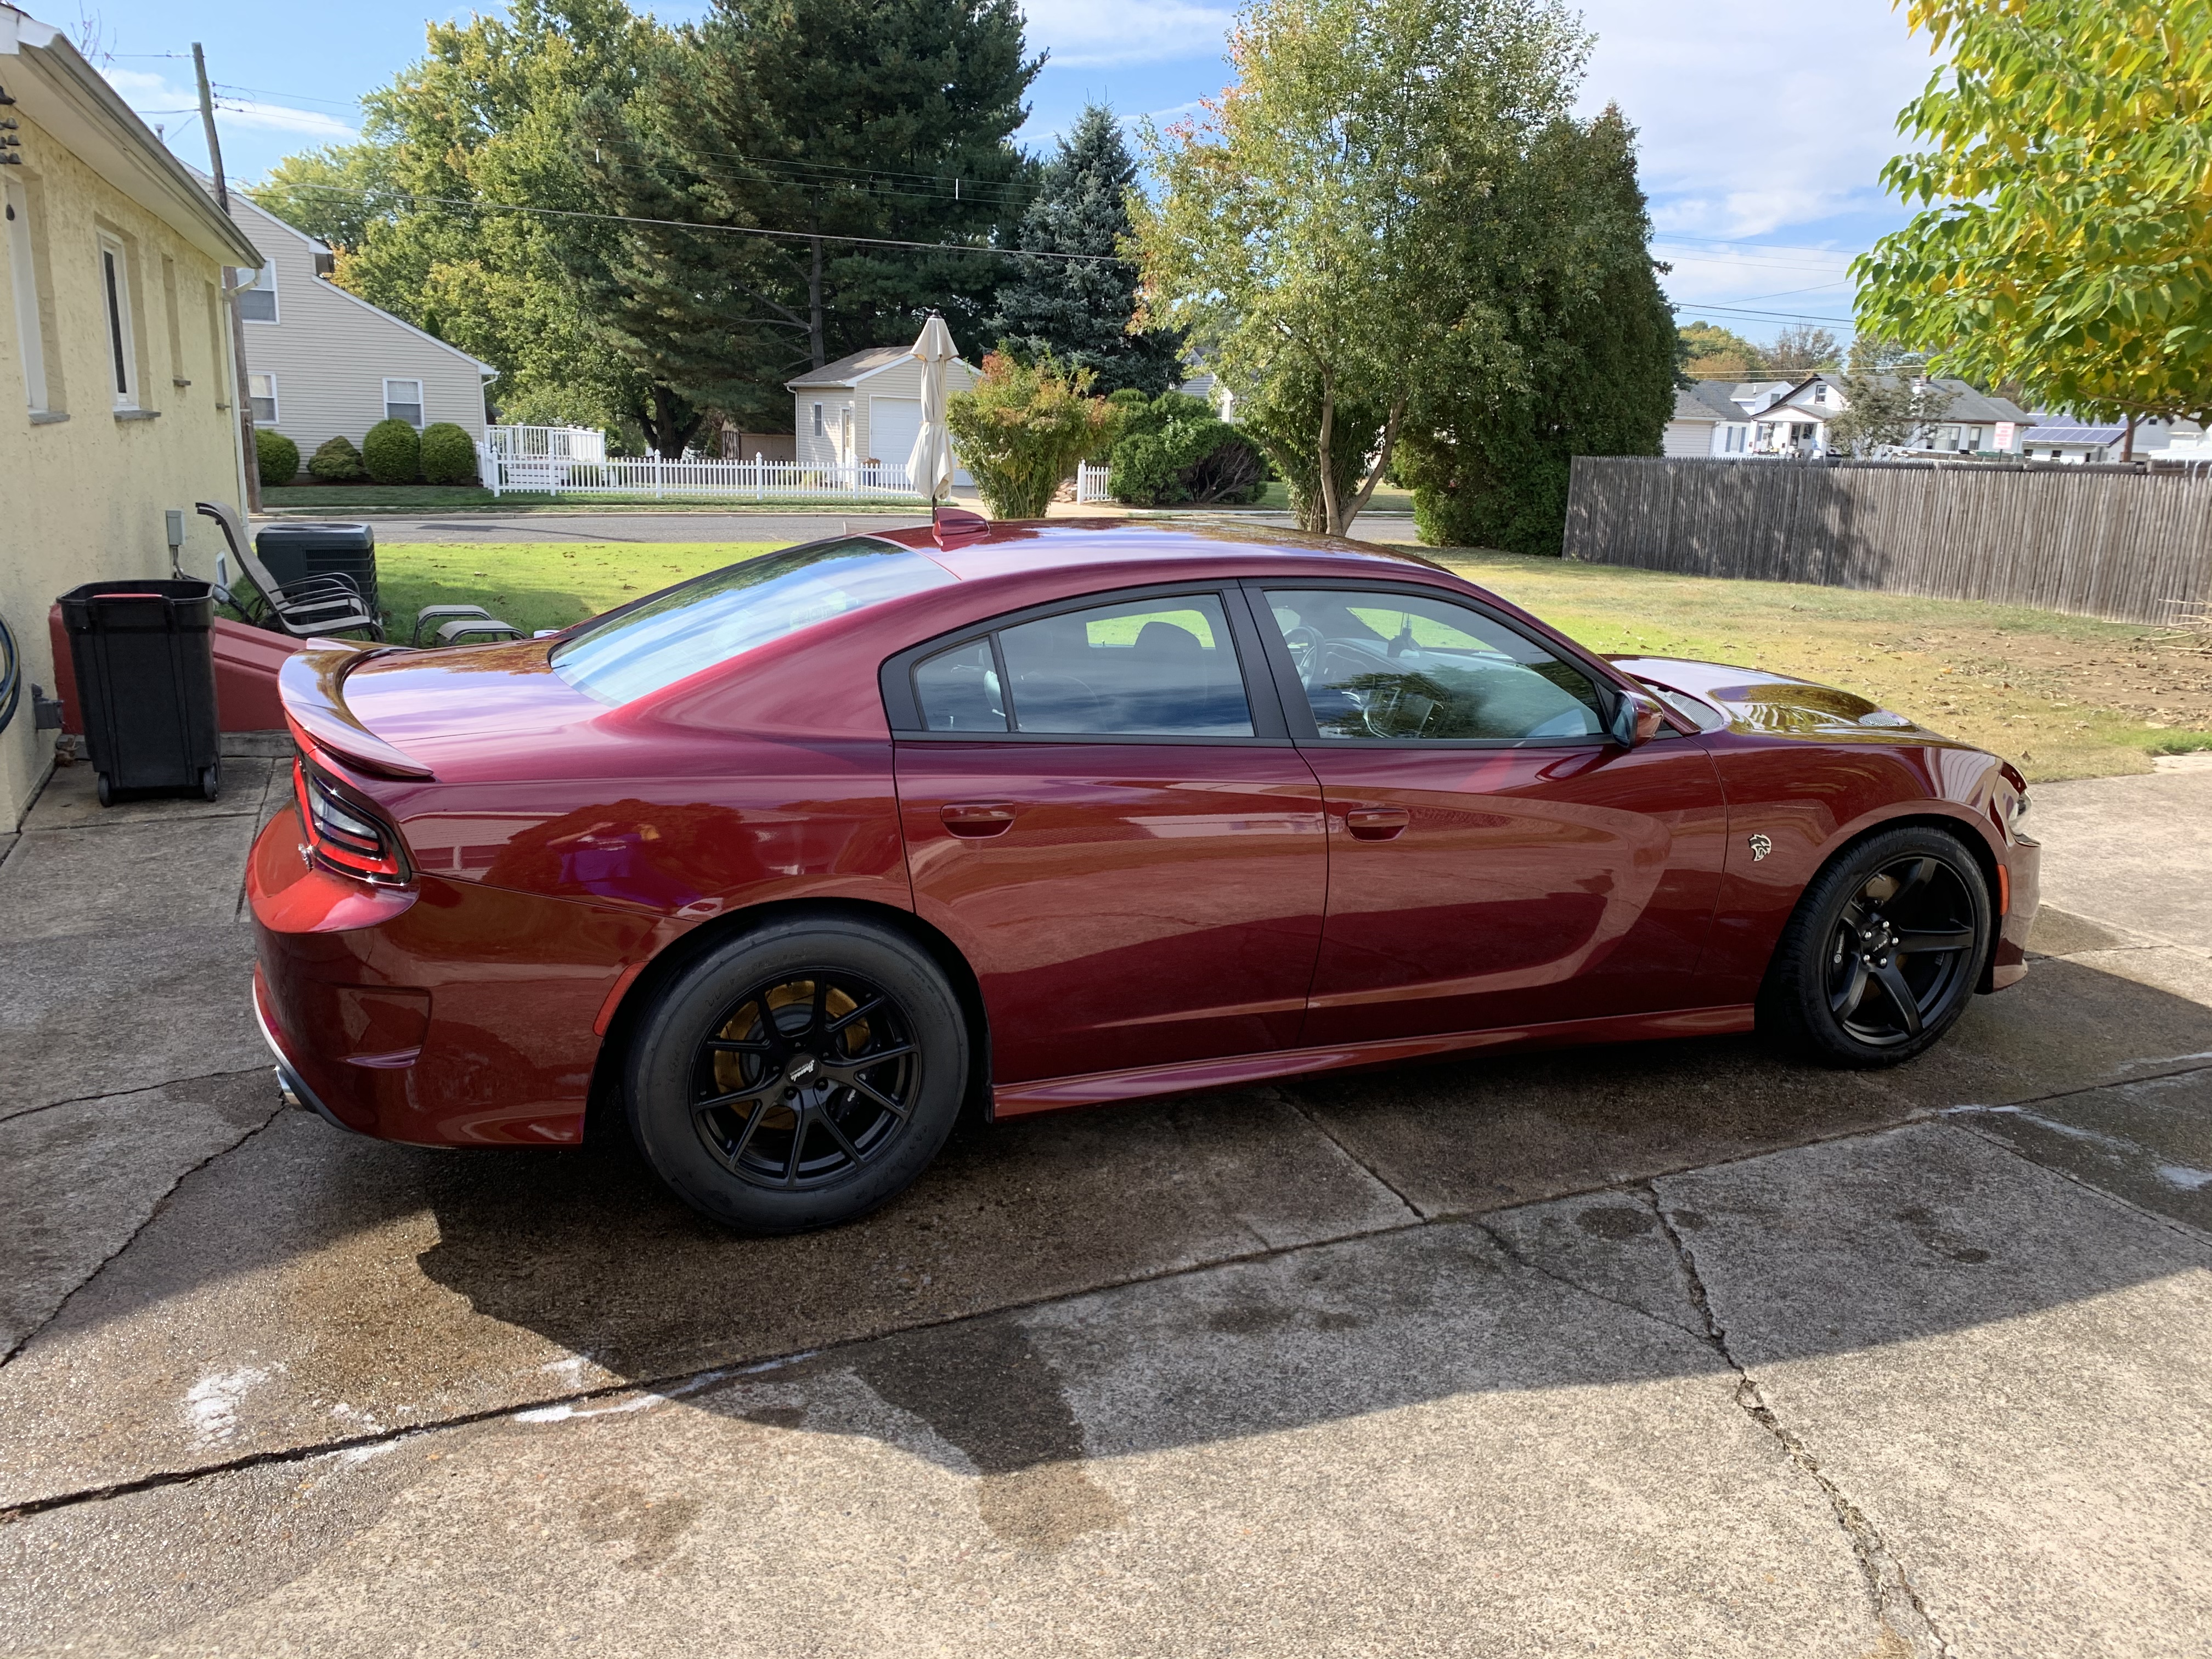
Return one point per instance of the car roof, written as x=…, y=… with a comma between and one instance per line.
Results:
x=1033, y=547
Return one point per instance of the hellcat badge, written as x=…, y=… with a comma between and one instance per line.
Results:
x=1760, y=847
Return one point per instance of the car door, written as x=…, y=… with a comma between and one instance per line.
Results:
x=1496, y=858
x=1103, y=811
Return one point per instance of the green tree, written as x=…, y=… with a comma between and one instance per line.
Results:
x=1299, y=225
x=487, y=119
x=1801, y=348
x=1586, y=361
x=2066, y=241
x=828, y=120
x=1079, y=309
x=1022, y=428
x=1714, y=352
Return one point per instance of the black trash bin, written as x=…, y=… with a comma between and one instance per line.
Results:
x=293, y=551
x=144, y=661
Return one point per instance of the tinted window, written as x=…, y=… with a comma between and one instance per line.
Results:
x=1397, y=666
x=958, y=691
x=1148, y=668
x=728, y=612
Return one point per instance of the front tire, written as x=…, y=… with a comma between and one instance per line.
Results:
x=1883, y=951
x=799, y=1076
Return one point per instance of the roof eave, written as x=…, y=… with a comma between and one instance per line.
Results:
x=71, y=100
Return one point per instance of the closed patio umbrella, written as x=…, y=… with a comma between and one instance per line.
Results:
x=929, y=468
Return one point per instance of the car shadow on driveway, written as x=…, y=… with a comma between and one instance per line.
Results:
x=321, y=1289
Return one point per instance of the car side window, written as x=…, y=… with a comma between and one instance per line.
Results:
x=1406, y=667
x=1150, y=667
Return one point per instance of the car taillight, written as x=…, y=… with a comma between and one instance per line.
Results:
x=345, y=835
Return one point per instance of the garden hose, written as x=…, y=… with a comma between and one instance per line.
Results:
x=11, y=675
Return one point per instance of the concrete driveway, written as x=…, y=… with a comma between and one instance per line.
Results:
x=1663, y=1350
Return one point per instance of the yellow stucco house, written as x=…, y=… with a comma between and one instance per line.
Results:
x=117, y=388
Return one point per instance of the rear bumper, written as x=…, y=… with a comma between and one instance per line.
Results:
x=446, y=1014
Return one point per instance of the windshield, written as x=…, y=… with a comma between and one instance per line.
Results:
x=728, y=612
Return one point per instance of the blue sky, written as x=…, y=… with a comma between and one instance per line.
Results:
x=1763, y=127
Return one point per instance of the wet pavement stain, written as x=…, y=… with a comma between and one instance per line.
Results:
x=985, y=1390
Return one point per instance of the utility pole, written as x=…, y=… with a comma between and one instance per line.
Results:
x=243, y=391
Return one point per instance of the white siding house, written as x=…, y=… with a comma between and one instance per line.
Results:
x=1710, y=418
x=324, y=363
x=866, y=409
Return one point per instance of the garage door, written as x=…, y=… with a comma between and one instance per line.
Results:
x=893, y=425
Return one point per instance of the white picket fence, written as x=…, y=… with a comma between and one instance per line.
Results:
x=542, y=443
x=1091, y=482
x=757, y=480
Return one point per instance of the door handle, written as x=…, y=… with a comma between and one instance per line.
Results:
x=983, y=818
x=1376, y=822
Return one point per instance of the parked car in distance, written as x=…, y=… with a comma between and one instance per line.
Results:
x=794, y=860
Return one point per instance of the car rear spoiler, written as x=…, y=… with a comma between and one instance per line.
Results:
x=308, y=683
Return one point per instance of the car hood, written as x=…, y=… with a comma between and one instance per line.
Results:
x=1755, y=701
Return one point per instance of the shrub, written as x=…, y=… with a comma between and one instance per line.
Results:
x=336, y=461
x=275, y=456
x=392, y=452
x=1023, y=428
x=1175, y=448
x=449, y=454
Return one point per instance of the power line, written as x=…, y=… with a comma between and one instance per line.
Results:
x=693, y=224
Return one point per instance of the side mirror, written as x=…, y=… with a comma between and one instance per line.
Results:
x=1637, y=721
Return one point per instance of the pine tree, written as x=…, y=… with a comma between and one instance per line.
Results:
x=1077, y=311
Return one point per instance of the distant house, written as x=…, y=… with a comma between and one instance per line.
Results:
x=1968, y=422
x=117, y=390
x=866, y=409
x=2059, y=437
x=1711, y=418
x=324, y=363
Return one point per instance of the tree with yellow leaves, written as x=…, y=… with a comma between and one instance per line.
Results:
x=2066, y=239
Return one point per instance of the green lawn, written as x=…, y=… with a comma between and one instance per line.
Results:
x=2063, y=696
x=537, y=585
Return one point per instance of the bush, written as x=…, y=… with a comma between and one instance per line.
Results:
x=275, y=456
x=392, y=452
x=338, y=462
x=1174, y=448
x=1023, y=428
x=449, y=454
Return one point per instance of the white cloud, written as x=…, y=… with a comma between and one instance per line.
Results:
x=1103, y=33
x=1754, y=117
x=154, y=97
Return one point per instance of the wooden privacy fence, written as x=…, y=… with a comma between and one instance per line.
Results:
x=2106, y=542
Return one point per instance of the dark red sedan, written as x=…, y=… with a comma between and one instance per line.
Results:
x=795, y=858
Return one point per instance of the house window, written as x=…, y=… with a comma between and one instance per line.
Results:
x=403, y=401
x=30, y=328
x=257, y=295
x=817, y=420
x=1734, y=441
x=1821, y=394
x=1973, y=437
x=122, y=347
x=262, y=388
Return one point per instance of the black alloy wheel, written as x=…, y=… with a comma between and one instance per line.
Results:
x=1883, y=951
x=798, y=1075
x=807, y=1079
x=1899, y=950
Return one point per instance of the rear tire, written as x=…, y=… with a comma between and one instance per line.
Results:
x=799, y=1076
x=1882, y=953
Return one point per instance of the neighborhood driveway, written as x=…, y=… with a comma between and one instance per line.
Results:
x=1672, y=1349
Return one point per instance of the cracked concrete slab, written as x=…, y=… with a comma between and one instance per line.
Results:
x=1406, y=1445
x=106, y=1013
x=2004, y=1371
x=125, y=878
x=77, y=1180
x=2133, y=853
x=325, y=1285
x=70, y=800
x=2149, y=1142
